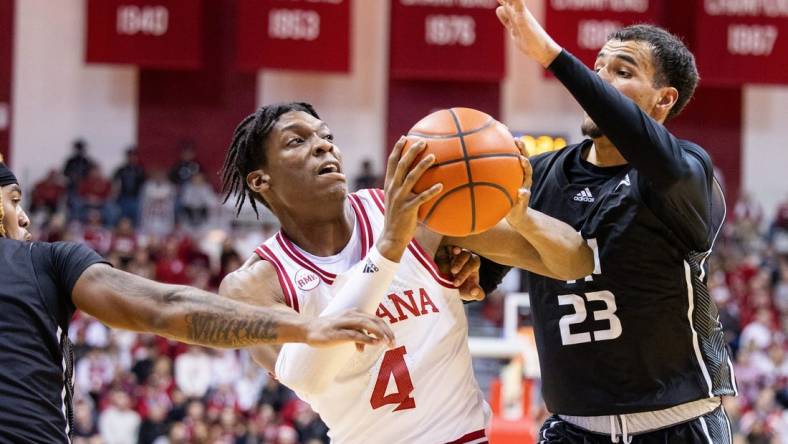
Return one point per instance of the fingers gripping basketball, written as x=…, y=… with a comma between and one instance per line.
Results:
x=478, y=164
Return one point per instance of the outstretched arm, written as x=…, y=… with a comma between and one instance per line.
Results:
x=123, y=300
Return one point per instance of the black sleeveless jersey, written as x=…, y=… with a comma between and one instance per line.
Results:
x=36, y=381
x=641, y=333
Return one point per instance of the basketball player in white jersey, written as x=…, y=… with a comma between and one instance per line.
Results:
x=367, y=251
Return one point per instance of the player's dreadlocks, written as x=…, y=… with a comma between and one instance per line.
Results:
x=247, y=153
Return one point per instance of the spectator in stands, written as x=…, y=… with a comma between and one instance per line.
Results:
x=94, y=193
x=197, y=200
x=95, y=235
x=158, y=205
x=77, y=166
x=187, y=166
x=119, y=424
x=128, y=181
x=367, y=178
x=48, y=193
x=193, y=376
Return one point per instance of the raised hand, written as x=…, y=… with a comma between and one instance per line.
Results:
x=527, y=33
x=402, y=204
x=518, y=213
x=349, y=326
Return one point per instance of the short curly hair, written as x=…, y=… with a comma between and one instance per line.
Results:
x=674, y=63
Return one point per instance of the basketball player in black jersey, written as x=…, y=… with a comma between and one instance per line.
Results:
x=42, y=284
x=634, y=352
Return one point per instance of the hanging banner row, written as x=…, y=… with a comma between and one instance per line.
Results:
x=439, y=40
x=734, y=41
x=435, y=39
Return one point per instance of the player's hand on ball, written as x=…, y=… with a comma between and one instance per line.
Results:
x=350, y=326
x=463, y=267
x=402, y=204
x=519, y=210
x=529, y=36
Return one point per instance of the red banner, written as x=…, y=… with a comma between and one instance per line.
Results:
x=741, y=41
x=311, y=35
x=6, y=64
x=148, y=33
x=446, y=40
x=582, y=26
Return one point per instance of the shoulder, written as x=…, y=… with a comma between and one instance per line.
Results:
x=255, y=282
x=697, y=152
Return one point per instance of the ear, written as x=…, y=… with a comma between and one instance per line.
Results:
x=258, y=181
x=667, y=99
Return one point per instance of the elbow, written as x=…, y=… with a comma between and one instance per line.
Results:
x=579, y=266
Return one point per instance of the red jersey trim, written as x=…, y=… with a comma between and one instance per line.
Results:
x=425, y=259
x=473, y=436
x=291, y=298
x=367, y=237
x=296, y=255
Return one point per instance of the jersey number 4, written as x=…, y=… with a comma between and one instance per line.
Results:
x=393, y=365
x=580, y=313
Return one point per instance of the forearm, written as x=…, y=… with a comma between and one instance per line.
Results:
x=194, y=316
x=644, y=142
x=561, y=249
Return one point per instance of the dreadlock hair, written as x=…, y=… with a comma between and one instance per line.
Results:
x=674, y=63
x=247, y=153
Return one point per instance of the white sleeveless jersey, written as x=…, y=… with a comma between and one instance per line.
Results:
x=421, y=391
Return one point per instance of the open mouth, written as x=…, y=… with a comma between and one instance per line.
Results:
x=328, y=169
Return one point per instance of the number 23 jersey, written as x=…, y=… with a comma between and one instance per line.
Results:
x=421, y=391
x=641, y=333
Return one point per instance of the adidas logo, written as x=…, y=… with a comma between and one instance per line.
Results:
x=370, y=267
x=584, y=196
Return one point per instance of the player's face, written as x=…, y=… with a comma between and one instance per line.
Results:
x=303, y=164
x=629, y=68
x=15, y=219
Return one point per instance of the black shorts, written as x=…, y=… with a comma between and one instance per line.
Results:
x=711, y=428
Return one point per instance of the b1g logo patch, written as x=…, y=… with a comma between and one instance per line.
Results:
x=306, y=280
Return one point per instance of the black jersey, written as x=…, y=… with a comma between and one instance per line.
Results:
x=641, y=333
x=36, y=280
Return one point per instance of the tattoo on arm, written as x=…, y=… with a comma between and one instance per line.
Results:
x=209, y=328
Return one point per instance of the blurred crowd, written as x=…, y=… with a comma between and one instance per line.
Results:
x=170, y=225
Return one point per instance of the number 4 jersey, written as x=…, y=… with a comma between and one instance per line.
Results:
x=421, y=391
x=641, y=333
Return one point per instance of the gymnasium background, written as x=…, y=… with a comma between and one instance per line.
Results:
x=171, y=77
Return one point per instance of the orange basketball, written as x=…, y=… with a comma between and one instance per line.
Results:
x=478, y=164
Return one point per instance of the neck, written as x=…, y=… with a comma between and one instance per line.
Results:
x=323, y=234
x=604, y=154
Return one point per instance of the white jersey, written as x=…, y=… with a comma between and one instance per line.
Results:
x=421, y=391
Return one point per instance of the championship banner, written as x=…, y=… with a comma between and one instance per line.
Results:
x=582, y=26
x=446, y=40
x=311, y=35
x=6, y=69
x=147, y=33
x=741, y=41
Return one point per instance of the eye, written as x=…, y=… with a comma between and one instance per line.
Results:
x=295, y=141
x=329, y=137
x=624, y=74
x=597, y=69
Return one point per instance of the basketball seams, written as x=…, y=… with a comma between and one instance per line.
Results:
x=460, y=133
x=467, y=168
x=470, y=158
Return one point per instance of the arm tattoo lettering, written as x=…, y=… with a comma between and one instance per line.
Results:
x=211, y=328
